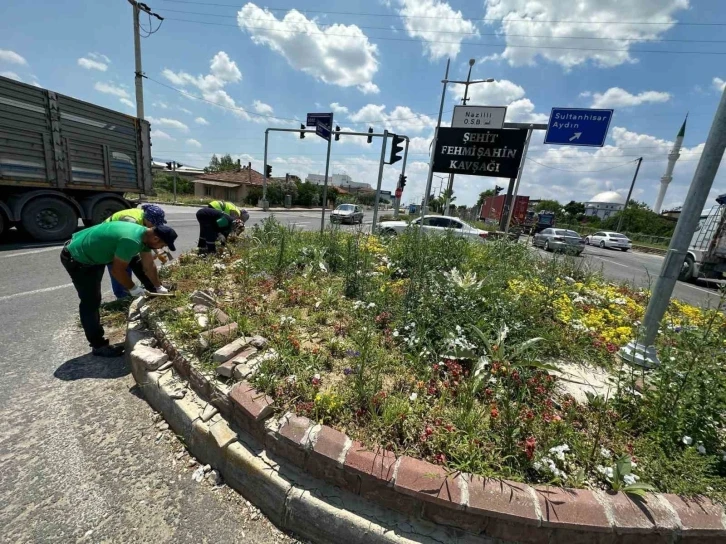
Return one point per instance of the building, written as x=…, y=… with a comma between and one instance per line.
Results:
x=232, y=185
x=673, y=156
x=603, y=205
x=338, y=180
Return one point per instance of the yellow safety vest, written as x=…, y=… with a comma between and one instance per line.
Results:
x=136, y=214
x=225, y=207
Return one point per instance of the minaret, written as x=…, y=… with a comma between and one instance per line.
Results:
x=672, y=158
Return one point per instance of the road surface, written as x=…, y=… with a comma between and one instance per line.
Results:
x=79, y=455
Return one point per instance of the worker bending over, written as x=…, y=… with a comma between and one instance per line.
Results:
x=116, y=243
x=149, y=215
x=219, y=217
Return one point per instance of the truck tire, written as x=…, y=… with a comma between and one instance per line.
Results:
x=686, y=273
x=49, y=219
x=2, y=224
x=103, y=209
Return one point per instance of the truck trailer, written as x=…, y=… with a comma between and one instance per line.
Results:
x=706, y=257
x=62, y=159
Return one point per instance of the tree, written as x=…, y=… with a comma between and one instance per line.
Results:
x=549, y=206
x=225, y=164
x=575, y=209
x=638, y=217
x=483, y=195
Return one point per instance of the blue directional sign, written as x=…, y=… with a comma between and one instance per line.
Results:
x=325, y=118
x=322, y=130
x=574, y=126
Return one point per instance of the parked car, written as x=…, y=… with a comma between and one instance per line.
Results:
x=567, y=241
x=347, y=213
x=609, y=239
x=435, y=224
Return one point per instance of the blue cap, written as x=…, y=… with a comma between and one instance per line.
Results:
x=154, y=214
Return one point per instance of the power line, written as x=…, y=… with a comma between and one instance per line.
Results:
x=567, y=170
x=480, y=44
x=475, y=33
x=491, y=19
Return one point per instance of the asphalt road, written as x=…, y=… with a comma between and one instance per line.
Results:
x=79, y=455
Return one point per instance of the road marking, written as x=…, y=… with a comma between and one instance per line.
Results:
x=54, y=248
x=697, y=288
x=35, y=291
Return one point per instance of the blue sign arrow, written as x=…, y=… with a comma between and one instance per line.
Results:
x=325, y=118
x=323, y=131
x=574, y=126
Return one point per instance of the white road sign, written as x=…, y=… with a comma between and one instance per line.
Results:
x=479, y=116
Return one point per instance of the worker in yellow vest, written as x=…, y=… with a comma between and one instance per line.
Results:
x=218, y=218
x=150, y=216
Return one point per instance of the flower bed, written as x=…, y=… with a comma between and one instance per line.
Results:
x=448, y=350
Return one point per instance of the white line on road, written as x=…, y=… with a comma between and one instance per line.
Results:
x=54, y=248
x=35, y=291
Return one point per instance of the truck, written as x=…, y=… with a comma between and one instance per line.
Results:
x=536, y=222
x=493, y=207
x=706, y=256
x=62, y=159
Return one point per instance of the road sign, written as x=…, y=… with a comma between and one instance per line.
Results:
x=399, y=192
x=385, y=193
x=478, y=116
x=322, y=130
x=479, y=152
x=325, y=118
x=573, y=126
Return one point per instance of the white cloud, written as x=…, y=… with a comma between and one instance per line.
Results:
x=615, y=97
x=440, y=27
x=166, y=122
x=337, y=54
x=184, y=110
x=574, y=19
x=337, y=108
x=12, y=57
x=719, y=84
x=160, y=104
x=401, y=119
x=225, y=69
x=100, y=56
x=261, y=107
x=201, y=121
x=161, y=135
x=111, y=88
x=194, y=143
x=127, y=102
x=11, y=75
x=90, y=64
x=502, y=92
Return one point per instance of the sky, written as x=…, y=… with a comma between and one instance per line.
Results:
x=218, y=74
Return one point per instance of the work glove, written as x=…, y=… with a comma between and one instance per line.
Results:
x=137, y=291
x=162, y=289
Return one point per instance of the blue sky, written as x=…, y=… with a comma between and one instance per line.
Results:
x=380, y=63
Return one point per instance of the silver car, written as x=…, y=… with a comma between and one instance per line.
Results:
x=567, y=241
x=609, y=239
x=347, y=213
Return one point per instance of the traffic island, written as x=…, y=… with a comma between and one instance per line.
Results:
x=319, y=483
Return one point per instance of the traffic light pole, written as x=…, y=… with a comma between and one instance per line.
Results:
x=513, y=202
x=174, y=168
x=630, y=193
x=380, y=180
x=325, y=186
x=397, y=200
x=265, y=205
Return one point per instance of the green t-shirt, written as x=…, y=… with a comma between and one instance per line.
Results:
x=100, y=244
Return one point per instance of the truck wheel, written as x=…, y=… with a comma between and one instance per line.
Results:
x=103, y=209
x=686, y=273
x=49, y=219
x=2, y=224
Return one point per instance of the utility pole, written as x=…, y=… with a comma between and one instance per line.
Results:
x=174, y=170
x=325, y=183
x=641, y=351
x=630, y=192
x=139, y=74
x=424, y=207
x=264, y=204
x=513, y=204
x=380, y=180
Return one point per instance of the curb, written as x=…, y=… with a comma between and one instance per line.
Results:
x=291, y=499
x=328, y=466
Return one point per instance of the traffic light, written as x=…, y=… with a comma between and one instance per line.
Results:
x=172, y=165
x=302, y=134
x=396, y=148
x=401, y=181
x=169, y=166
x=370, y=138
x=498, y=189
x=268, y=171
x=337, y=133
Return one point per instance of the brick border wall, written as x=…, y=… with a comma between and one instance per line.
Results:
x=506, y=510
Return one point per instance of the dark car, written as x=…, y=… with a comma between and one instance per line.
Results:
x=559, y=240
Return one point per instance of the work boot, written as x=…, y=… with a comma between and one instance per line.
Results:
x=108, y=351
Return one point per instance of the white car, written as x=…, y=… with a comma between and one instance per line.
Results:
x=435, y=224
x=608, y=239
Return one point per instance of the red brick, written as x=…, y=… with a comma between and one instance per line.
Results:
x=324, y=459
x=378, y=463
x=427, y=482
x=253, y=404
x=576, y=509
x=246, y=354
x=502, y=499
x=287, y=441
x=632, y=514
x=699, y=516
x=225, y=331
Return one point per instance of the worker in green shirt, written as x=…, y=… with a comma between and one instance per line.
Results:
x=85, y=257
x=219, y=218
x=149, y=215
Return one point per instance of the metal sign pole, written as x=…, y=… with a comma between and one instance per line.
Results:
x=630, y=193
x=174, y=166
x=519, y=178
x=425, y=206
x=325, y=187
x=264, y=176
x=380, y=180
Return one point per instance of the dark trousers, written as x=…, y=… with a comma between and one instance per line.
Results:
x=208, y=229
x=137, y=267
x=87, y=281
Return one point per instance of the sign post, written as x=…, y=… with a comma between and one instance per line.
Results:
x=380, y=180
x=323, y=123
x=578, y=127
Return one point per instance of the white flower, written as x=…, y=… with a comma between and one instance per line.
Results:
x=371, y=305
x=395, y=334
x=287, y=320
x=318, y=303
x=291, y=378
x=219, y=266
x=358, y=304
x=687, y=440
x=606, y=471
x=413, y=396
x=701, y=449
x=316, y=376
x=321, y=265
x=605, y=453
x=630, y=479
